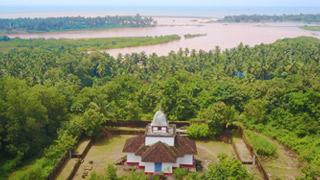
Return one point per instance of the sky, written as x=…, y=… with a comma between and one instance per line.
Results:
x=153, y=3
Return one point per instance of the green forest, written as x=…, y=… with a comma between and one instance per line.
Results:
x=50, y=24
x=91, y=44
x=49, y=97
x=307, y=18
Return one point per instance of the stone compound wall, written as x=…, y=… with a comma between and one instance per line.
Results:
x=253, y=154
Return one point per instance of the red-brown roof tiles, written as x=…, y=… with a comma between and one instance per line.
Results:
x=133, y=143
x=160, y=152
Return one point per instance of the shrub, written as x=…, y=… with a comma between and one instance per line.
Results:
x=179, y=173
x=261, y=144
x=198, y=131
x=111, y=172
x=227, y=168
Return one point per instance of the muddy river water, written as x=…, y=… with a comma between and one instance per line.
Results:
x=225, y=35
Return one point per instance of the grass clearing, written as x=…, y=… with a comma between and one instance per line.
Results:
x=102, y=153
x=262, y=145
x=26, y=166
x=284, y=166
x=208, y=151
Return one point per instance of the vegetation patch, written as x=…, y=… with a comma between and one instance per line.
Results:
x=49, y=97
x=261, y=144
x=198, y=131
x=83, y=44
x=310, y=28
x=51, y=24
x=273, y=18
x=189, y=36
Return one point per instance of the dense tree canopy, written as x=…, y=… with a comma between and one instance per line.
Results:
x=273, y=18
x=50, y=97
x=36, y=25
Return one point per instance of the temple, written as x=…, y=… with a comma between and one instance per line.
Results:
x=160, y=149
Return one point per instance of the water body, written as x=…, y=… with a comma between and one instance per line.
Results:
x=225, y=35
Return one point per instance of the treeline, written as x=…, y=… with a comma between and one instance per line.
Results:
x=308, y=18
x=83, y=44
x=50, y=97
x=39, y=25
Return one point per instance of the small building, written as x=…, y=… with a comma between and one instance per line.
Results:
x=160, y=149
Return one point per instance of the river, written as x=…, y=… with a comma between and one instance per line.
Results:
x=225, y=35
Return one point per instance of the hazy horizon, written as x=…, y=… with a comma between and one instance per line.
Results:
x=167, y=3
x=207, y=11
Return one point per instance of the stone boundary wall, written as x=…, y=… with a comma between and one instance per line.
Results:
x=119, y=123
x=84, y=153
x=142, y=124
x=252, y=152
x=74, y=170
x=64, y=158
x=58, y=166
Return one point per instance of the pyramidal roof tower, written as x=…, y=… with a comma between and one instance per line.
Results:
x=159, y=119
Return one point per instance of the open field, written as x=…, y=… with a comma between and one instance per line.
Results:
x=102, y=153
x=208, y=151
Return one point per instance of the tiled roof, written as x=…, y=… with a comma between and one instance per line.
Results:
x=160, y=152
x=133, y=143
x=186, y=145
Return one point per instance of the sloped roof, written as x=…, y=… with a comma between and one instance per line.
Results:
x=159, y=119
x=133, y=143
x=186, y=145
x=159, y=152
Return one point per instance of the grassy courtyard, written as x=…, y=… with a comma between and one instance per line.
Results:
x=102, y=153
x=107, y=151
